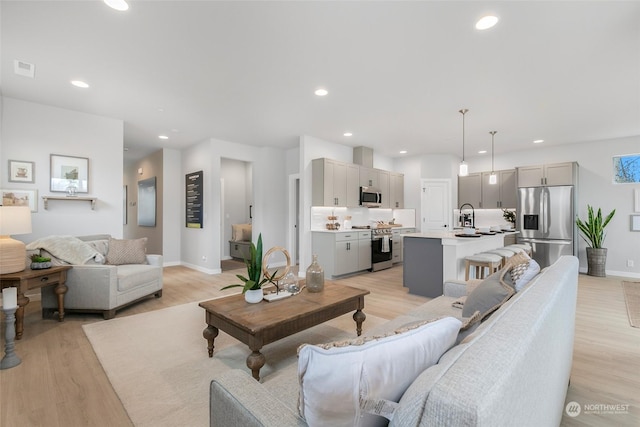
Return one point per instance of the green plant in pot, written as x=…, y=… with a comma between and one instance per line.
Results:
x=252, y=284
x=592, y=231
x=39, y=262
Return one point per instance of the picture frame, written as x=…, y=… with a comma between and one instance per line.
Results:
x=626, y=169
x=19, y=197
x=22, y=171
x=69, y=171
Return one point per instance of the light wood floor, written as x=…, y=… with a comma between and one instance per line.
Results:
x=61, y=382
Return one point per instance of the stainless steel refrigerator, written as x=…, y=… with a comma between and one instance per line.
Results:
x=546, y=219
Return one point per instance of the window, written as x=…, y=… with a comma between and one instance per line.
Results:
x=626, y=169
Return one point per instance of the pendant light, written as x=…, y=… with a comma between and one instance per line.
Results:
x=493, y=179
x=464, y=168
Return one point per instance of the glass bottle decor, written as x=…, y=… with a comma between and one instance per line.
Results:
x=315, y=276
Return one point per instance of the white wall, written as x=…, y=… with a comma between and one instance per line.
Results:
x=32, y=132
x=269, y=196
x=173, y=211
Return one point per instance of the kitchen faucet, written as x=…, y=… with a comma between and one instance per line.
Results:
x=463, y=217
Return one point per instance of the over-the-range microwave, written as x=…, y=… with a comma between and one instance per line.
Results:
x=370, y=197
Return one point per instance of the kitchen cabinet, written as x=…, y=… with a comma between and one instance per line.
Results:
x=397, y=243
x=503, y=194
x=547, y=175
x=470, y=190
x=379, y=179
x=334, y=183
x=342, y=253
x=396, y=190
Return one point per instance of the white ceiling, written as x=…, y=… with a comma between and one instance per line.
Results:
x=397, y=72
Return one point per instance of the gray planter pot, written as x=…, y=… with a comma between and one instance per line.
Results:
x=596, y=261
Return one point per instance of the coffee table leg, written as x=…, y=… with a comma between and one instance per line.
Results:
x=255, y=361
x=210, y=333
x=359, y=317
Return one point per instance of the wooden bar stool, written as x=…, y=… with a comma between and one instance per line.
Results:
x=479, y=262
x=504, y=253
x=525, y=248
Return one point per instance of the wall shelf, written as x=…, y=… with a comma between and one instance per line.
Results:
x=81, y=199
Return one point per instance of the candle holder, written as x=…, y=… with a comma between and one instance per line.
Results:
x=10, y=358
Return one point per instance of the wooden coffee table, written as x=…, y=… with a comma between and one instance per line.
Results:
x=257, y=325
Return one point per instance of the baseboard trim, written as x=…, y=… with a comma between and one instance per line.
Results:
x=626, y=274
x=202, y=269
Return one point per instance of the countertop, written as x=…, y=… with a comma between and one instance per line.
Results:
x=452, y=235
x=355, y=230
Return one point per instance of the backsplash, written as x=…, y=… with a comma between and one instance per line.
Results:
x=361, y=216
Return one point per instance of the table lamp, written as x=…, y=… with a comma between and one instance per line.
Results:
x=13, y=254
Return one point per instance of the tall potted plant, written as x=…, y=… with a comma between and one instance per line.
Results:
x=593, y=233
x=252, y=285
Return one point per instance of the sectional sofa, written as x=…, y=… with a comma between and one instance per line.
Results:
x=512, y=370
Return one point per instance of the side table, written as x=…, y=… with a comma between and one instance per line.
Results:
x=35, y=279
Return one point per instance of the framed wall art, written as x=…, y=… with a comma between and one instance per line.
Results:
x=69, y=174
x=22, y=171
x=626, y=169
x=20, y=198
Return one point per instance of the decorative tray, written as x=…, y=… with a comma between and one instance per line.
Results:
x=468, y=235
x=488, y=233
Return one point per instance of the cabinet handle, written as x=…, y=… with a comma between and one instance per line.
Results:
x=44, y=279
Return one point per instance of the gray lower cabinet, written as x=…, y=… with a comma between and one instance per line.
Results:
x=341, y=253
x=398, y=244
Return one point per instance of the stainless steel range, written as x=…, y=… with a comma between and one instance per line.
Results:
x=381, y=249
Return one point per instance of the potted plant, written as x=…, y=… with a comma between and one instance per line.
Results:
x=593, y=233
x=509, y=216
x=252, y=285
x=39, y=262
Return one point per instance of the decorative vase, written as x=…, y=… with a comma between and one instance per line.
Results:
x=315, y=276
x=253, y=296
x=596, y=261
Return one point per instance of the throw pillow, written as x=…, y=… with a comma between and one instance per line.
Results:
x=336, y=379
x=488, y=296
x=127, y=251
x=521, y=271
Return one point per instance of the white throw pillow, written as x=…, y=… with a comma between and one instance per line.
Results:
x=336, y=378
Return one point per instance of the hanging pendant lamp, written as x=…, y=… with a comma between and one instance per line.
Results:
x=464, y=168
x=493, y=179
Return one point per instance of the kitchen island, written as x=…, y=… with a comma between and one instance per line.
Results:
x=430, y=258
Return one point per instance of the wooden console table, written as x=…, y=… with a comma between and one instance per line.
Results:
x=36, y=279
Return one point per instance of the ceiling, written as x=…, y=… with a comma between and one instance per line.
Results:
x=397, y=72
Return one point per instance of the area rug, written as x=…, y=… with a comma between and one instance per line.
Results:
x=158, y=364
x=631, y=291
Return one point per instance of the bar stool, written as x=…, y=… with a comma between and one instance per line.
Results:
x=504, y=253
x=525, y=248
x=479, y=262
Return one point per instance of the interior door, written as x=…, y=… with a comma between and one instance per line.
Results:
x=436, y=204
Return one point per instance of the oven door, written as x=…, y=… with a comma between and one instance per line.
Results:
x=380, y=251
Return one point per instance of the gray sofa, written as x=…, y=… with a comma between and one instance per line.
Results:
x=513, y=370
x=102, y=288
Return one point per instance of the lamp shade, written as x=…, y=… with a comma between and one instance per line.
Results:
x=15, y=220
x=13, y=254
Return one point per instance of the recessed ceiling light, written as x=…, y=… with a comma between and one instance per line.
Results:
x=163, y=137
x=120, y=5
x=538, y=141
x=347, y=134
x=79, y=83
x=403, y=151
x=482, y=152
x=321, y=92
x=486, y=22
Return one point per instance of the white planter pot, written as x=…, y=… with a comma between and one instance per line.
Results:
x=253, y=296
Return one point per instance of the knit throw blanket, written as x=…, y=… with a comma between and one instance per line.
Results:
x=67, y=248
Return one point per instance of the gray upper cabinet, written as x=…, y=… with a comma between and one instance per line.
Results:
x=334, y=183
x=547, y=175
x=396, y=190
x=470, y=190
x=503, y=194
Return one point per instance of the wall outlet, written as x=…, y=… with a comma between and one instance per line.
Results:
x=629, y=263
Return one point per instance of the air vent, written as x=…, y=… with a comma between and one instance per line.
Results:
x=25, y=69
